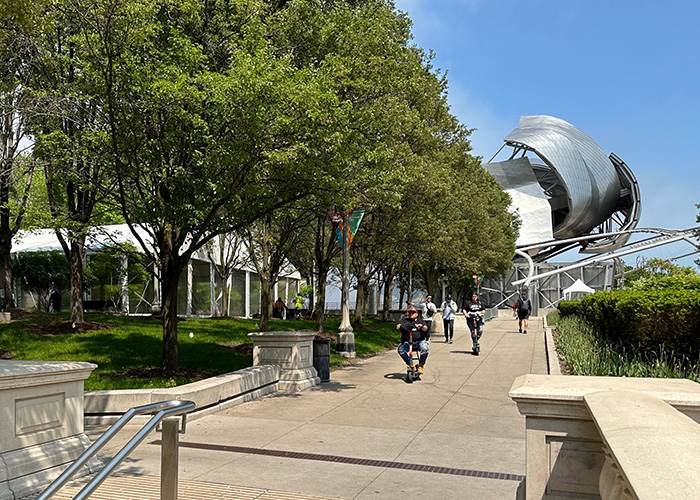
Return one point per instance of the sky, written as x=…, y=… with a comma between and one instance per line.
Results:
x=627, y=73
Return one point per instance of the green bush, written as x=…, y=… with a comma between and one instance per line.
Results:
x=646, y=322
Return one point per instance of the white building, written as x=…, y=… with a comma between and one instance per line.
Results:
x=199, y=293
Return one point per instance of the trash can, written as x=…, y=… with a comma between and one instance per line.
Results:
x=322, y=358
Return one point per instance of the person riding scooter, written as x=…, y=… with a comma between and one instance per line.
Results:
x=411, y=325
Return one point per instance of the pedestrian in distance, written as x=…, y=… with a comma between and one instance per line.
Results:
x=427, y=313
x=411, y=326
x=298, y=305
x=522, y=308
x=279, y=310
x=449, y=311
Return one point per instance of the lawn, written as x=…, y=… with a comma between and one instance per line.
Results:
x=128, y=349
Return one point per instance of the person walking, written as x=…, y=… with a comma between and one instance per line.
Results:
x=449, y=311
x=412, y=325
x=279, y=310
x=427, y=313
x=522, y=308
x=298, y=305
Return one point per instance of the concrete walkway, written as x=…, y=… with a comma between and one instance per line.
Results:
x=367, y=434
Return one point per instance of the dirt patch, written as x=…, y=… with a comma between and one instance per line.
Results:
x=243, y=348
x=5, y=354
x=327, y=335
x=20, y=314
x=151, y=373
x=64, y=327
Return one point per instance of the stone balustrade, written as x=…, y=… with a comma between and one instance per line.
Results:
x=592, y=437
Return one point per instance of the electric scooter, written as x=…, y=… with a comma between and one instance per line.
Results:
x=412, y=371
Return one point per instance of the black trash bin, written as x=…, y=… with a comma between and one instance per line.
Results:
x=322, y=358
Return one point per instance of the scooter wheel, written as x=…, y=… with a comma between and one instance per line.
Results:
x=409, y=376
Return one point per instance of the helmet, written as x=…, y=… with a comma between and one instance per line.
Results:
x=411, y=310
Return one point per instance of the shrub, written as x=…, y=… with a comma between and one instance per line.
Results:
x=647, y=322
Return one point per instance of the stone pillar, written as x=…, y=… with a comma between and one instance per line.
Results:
x=41, y=428
x=293, y=352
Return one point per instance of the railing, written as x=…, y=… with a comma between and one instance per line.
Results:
x=160, y=411
x=491, y=312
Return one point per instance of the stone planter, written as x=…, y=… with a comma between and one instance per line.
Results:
x=292, y=352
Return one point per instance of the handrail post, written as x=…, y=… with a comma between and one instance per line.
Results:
x=169, y=459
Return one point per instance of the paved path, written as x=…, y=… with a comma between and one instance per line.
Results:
x=367, y=434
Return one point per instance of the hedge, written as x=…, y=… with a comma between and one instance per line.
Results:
x=644, y=322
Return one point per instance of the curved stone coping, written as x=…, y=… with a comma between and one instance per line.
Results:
x=208, y=394
x=674, y=391
x=651, y=447
x=562, y=395
x=16, y=373
x=297, y=336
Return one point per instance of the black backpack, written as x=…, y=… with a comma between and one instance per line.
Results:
x=524, y=304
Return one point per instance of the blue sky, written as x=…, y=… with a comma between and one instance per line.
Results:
x=625, y=72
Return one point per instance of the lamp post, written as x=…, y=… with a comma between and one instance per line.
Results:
x=346, y=337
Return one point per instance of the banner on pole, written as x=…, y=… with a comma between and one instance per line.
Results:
x=354, y=220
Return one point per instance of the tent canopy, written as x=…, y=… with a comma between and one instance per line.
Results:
x=578, y=287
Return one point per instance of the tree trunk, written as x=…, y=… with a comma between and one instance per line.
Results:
x=265, y=302
x=224, y=296
x=6, y=275
x=388, y=288
x=76, y=280
x=321, y=279
x=362, y=280
x=170, y=278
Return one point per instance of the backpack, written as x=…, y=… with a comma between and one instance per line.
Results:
x=523, y=304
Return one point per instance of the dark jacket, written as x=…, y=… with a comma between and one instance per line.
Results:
x=412, y=325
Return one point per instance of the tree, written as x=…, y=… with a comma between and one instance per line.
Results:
x=70, y=133
x=43, y=272
x=228, y=252
x=205, y=124
x=111, y=268
x=269, y=240
x=18, y=36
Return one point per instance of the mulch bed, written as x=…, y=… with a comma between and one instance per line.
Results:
x=64, y=327
x=243, y=348
x=149, y=373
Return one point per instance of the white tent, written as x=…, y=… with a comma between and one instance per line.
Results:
x=577, y=290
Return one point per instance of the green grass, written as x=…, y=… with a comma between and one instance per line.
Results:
x=586, y=353
x=129, y=354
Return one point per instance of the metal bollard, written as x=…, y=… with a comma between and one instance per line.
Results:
x=169, y=458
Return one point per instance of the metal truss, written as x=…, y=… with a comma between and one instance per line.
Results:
x=660, y=237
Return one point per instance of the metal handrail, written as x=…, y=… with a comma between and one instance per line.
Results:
x=159, y=410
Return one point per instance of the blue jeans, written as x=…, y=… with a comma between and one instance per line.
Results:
x=423, y=347
x=476, y=326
